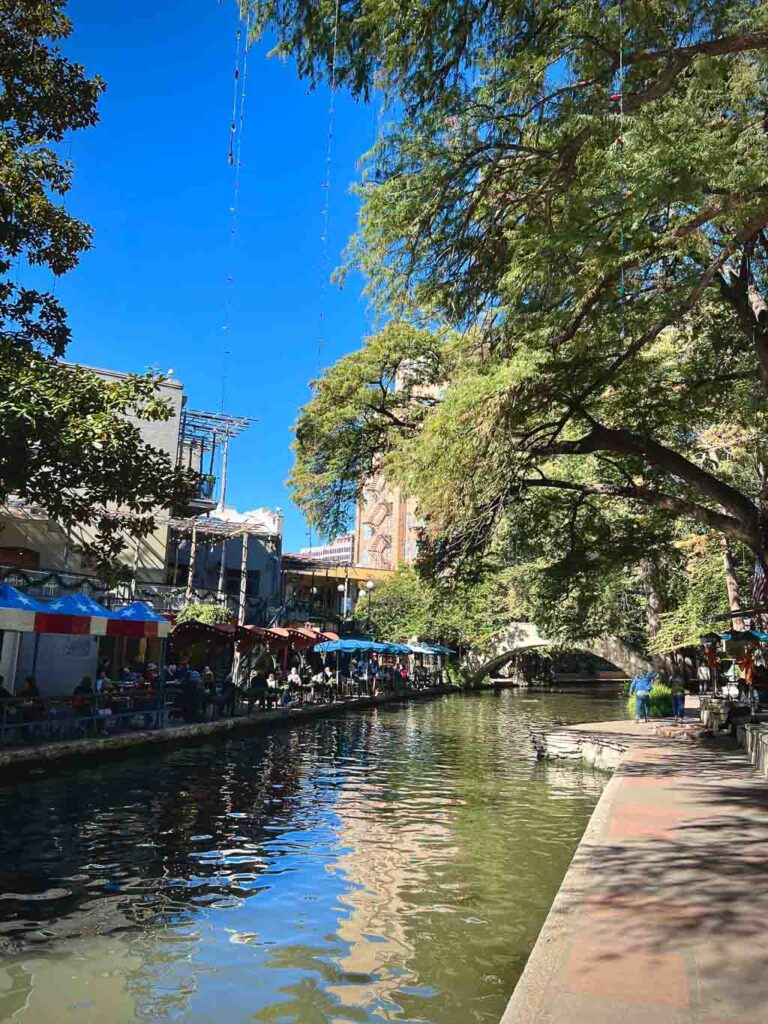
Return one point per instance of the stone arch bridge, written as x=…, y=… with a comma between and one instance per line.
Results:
x=524, y=636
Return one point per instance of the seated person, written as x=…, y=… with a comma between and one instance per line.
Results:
x=82, y=696
x=294, y=679
x=103, y=683
x=287, y=699
x=30, y=690
x=209, y=696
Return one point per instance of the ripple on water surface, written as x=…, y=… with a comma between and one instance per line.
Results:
x=394, y=865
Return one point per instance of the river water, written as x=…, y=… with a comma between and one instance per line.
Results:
x=390, y=865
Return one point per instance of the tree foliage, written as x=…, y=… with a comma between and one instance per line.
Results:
x=601, y=266
x=408, y=606
x=210, y=614
x=65, y=440
x=700, y=596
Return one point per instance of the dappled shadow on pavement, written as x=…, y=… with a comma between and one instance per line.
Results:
x=674, y=880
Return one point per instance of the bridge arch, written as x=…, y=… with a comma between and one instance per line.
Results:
x=524, y=636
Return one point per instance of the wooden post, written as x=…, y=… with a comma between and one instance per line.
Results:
x=135, y=567
x=191, y=568
x=222, y=571
x=241, y=605
x=176, y=559
x=243, y=581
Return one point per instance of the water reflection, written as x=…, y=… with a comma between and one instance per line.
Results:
x=393, y=865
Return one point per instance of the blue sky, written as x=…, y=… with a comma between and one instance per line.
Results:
x=154, y=182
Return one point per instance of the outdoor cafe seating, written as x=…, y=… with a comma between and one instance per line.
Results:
x=33, y=716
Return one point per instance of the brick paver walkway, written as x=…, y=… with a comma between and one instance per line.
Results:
x=663, y=915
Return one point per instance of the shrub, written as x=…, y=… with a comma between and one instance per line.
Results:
x=660, y=704
x=210, y=614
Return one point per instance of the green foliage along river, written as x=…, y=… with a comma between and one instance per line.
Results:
x=393, y=865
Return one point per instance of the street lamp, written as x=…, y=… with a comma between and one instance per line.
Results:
x=369, y=587
x=342, y=603
x=313, y=591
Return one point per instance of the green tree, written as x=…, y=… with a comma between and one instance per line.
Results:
x=66, y=442
x=399, y=607
x=210, y=614
x=604, y=263
x=461, y=613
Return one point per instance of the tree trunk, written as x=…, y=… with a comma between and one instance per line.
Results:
x=653, y=608
x=732, y=585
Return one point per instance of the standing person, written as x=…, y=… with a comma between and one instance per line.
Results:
x=641, y=688
x=257, y=691
x=747, y=666
x=191, y=688
x=230, y=697
x=677, y=683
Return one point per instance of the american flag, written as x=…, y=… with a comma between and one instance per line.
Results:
x=760, y=584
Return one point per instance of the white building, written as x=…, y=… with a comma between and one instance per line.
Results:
x=337, y=552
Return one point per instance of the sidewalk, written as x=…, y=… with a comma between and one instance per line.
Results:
x=663, y=915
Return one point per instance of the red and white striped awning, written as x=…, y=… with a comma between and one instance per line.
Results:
x=76, y=614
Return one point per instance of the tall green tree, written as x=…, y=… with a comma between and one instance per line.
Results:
x=408, y=606
x=577, y=189
x=69, y=441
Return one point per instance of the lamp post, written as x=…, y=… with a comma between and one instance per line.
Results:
x=313, y=591
x=342, y=601
x=369, y=587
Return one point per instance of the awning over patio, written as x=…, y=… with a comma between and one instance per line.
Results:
x=745, y=636
x=76, y=614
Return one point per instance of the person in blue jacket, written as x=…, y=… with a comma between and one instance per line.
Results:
x=641, y=688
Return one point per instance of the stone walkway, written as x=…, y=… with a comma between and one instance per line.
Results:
x=663, y=915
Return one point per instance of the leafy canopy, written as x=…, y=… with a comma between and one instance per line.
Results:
x=210, y=614
x=407, y=606
x=605, y=272
x=69, y=441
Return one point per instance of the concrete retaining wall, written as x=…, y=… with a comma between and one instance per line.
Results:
x=15, y=759
x=567, y=744
x=756, y=741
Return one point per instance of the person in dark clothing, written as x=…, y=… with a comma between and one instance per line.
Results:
x=230, y=695
x=258, y=691
x=31, y=690
x=191, y=689
x=82, y=696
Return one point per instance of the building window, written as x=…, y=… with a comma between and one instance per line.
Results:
x=366, y=531
x=232, y=582
x=407, y=520
x=407, y=550
x=366, y=557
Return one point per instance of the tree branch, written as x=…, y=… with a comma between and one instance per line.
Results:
x=728, y=525
x=624, y=442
